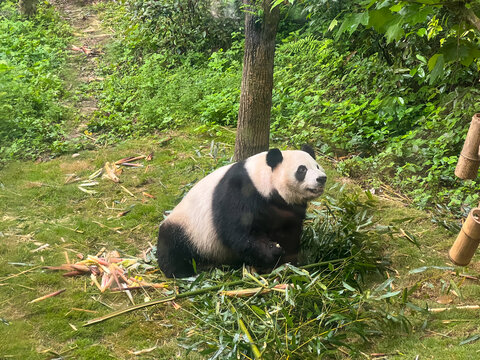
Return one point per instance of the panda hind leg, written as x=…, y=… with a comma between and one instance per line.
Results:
x=174, y=253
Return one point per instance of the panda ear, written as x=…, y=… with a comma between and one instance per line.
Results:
x=274, y=157
x=308, y=149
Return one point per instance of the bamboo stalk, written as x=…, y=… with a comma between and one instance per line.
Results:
x=469, y=161
x=464, y=307
x=160, y=301
x=47, y=296
x=309, y=266
x=20, y=273
x=129, y=159
x=256, y=352
x=467, y=241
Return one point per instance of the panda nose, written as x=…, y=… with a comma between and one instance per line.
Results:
x=322, y=180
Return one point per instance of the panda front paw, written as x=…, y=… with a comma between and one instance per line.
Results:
x=267, y=253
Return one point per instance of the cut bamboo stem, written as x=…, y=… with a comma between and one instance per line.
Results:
x=159, y=301
x=469, y=160
x=467, y=240
x=47, y=296
x=464, y=307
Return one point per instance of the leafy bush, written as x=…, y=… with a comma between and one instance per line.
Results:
x=144, y=98
x=402, y=129
x=184, y=26
x=342, y=227
x=32, y=52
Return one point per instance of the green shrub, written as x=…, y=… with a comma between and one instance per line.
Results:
x=184, y=26
x=32, y=52
x=152, y=96
x=402, y=130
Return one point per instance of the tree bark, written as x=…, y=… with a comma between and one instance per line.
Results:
x=27, y=7
x=253, y=129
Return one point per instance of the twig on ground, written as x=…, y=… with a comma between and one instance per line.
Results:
x=47, y=296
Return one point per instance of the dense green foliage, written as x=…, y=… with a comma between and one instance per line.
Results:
x=32, y=53
x=376, y=99
x=451, y=30
x=392, y=98
x=179, y=27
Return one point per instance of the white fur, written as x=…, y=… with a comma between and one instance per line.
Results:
x=289, y=188
x=260, y=173
x=194, y=214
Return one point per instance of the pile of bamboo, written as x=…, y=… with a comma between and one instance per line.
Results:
x=468, y=239
x=109, y=271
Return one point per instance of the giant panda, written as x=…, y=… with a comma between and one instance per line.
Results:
x=248, y=212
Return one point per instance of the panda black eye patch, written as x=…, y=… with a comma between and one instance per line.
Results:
x=301, y=172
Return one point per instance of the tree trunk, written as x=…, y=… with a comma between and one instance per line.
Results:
x=27, y=7
x=253, y=128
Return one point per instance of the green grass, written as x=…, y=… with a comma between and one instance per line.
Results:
x=36, y=207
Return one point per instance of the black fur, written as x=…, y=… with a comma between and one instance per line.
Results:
x=309, y=150
x=274, y=157
x=300, y=173
x=251, y=224
x=174, y=252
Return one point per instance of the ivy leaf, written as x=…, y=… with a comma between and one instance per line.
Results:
x=378, y=18
x=422, y=32
x=432, y=61
x=350, y=24
x=416, y=14
x=363, y=18
x=397, y=7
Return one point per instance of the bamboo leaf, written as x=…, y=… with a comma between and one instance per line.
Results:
x=470, y=339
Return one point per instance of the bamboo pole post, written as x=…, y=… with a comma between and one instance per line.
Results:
x=469, y=159
x=467, y=240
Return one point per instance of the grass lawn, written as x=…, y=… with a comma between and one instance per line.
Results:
x=38, y=208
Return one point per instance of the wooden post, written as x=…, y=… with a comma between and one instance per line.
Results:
x=467, y=240
x=469, y=160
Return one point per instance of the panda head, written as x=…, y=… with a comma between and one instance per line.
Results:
x=296, y=175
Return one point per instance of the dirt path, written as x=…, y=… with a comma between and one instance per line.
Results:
x=85, y=56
